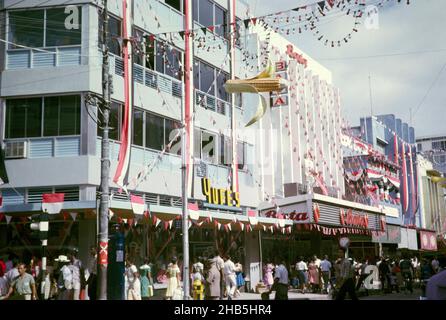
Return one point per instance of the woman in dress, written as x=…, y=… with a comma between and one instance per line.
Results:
x=134, y=284
x=268, y=275
x=173, y=278
x=313, y=273
x=146, y=280
x=239, y=278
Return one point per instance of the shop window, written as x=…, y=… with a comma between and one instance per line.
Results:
x=44, y=28
x=114, y=32
x=207, y=75
x=154, y=132
x=206, y=13
x=57, y=34
x=24, y=118
x=138, y=127
x=26, y=28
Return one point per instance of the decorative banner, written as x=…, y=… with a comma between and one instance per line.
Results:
x=404, y=172
x=138, y=204
x=73, y=215
x=252, y=216
x=103, y=253
x=157, y=222
x=8, y=219
x=170, y=224
x=52, y=203
x=428, y=241
x=193, y=211
x=316, y=212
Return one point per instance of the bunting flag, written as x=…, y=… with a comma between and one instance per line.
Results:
x=252, y=217
x=110, y=214
x=170, y=224
x=395, y=146
x=73, y=215
x=52, y=203
x=404, y=176
x=157, y=222
x=193, y=211
x=242, y=226
x=8, y=219
x=121, y=177
x=138, y=204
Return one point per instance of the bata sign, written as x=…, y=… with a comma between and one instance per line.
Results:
x=295, y=212
x=348, y=218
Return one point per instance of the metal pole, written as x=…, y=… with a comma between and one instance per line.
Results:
x=44, y=227
x=105, y=165
x=185, y=143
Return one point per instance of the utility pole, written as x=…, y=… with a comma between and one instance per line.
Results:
x=102, y=217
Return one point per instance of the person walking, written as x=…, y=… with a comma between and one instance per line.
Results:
x=346, y=282
x=362, y=275
x=239, y=278
x=326, y=273
x=212, y=288
x=268, y=275
x=407, y=272
x=65, y=279
x=230, y=277
x=77, y=271
x=173, y=278
x=302, y=268
x=146, y=280
x=435, y=264
x=134, y=286
x=384, y=271
x=281, y=281
x=198, y=281
x=24, y=286
x=313, y=275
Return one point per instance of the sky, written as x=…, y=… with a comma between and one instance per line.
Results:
x=405, y=58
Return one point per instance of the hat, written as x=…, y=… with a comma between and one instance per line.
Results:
x=62, y=258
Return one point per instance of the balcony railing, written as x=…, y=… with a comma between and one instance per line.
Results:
x=210, y=102
x=148, y=77
x=45, y=57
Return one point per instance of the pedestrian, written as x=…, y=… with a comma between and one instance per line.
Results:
x=326, y=273
x=313, y=275
x=426, y=273
x=435, y=264
x=134, y=284
x=407, y=272
x=230, y=277
x=436, y=287
x=78, y=272
x=198, y=281
x=173, y=278
x=65, y=279
x=268, y=279
x=396, y=276
x=281, y=281
x=220, y=265
x=146, y=280
x=92, y=268
x=12, y=273
x=384, y=271
x=362, y=275
x=24, y=286
x=212, y=288
x=346, y=281
x=302, y=269
x=240, y=278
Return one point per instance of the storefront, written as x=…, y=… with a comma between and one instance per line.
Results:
x=319, y=221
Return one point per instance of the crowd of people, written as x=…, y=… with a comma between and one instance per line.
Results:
x=347, y=275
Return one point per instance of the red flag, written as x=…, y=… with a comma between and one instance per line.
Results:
x=52, y=203
x=138, y=205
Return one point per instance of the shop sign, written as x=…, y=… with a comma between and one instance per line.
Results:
x=296, y=212
x=280, y=100
x=219, y=196
x=281, y=65
x=349, y=218
x=296, y=56
x=428, y=240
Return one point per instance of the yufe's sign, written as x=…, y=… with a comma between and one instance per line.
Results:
x=348, y=218
x=219, y=196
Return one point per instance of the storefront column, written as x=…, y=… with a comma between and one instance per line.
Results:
x=87, y=238
x=253, y=265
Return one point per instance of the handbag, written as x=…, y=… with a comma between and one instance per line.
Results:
x=178, y=294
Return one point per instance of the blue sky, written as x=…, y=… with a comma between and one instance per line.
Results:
x=403, y=57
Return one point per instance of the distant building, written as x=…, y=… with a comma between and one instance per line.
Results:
x=434, y=149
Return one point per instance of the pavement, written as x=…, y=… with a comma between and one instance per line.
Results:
x=294, y=295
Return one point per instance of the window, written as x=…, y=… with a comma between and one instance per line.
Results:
x=115, y=122
x=154, y=132
x=114, y=32
x=171, y=130
x=419, y=147
x=56, y=32
x=176, y=4
x=138, y=127
x=440, y=145
x=221, y=92
x=225, y=151
x=25, y=118
x=43, y=28
x=207, y=76
x=204, y=80
x=207, y=13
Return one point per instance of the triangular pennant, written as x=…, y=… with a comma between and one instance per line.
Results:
x=170, y=224
x=157, y=221
x=166, y=225
x=218, y=225
x=204, y=30
x=8, y=219
x=246, y=23
x=73, y=215
x=189, y=224
x=264, y=228
x=181, y=33
x=254, y=21
x=272, y=229
x=229, y=227
x=242, y=226
x=211, y=28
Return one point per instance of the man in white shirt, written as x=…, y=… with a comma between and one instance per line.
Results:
x=301, y=268
x=326, y=272
x=281, y=281
x=230, y=279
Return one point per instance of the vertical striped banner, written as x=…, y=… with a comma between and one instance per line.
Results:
x=404, y=175
x=412, y=184
x=122, y=171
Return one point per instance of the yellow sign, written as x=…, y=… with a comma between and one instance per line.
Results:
x=224, y=197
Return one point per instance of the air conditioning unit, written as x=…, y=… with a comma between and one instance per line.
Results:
x=15, y=149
